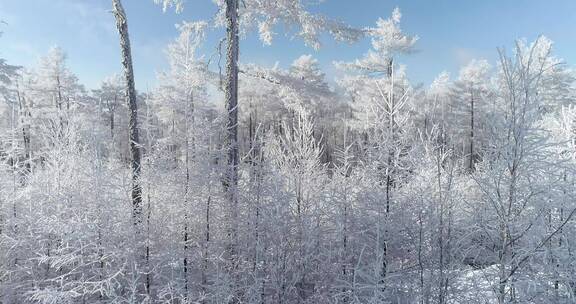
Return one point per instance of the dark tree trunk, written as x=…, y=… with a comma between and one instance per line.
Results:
x=112, y=109
x=471, y=164
x=59, y=106
x=24, y=112
x=389, y=172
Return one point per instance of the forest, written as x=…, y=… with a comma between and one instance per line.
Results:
x=254, y=184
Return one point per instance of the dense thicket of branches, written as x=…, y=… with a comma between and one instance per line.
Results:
x=369, y=191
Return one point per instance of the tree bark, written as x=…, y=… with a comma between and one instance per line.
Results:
x=231, y=92
x=130, y=92
x=471, y=164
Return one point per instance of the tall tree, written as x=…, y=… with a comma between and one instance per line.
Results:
x=130, y=95
x=470, y=95
x=231, y=141
x=380, y=97
x=265, y=16
x=181, y=89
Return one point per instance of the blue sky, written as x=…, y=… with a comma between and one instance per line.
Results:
x=451, y=32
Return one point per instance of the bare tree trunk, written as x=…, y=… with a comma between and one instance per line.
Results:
x=231, y=92
x=444, y=229
x=389, y=171
x=256, y=160
x=100, y=257
x=502, y=272
x=185, y=265
x=14, y=186
x=188, y=115
x=345, y=260
x=471, y=164
x=122, y=26
x=148, y=224
x=448, y=243
x=59, y=107
x=423, y=292
x=207, y=236
x=112, y=121
x=25, y=130
x=206, y=243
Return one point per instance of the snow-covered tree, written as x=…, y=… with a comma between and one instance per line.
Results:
x=518, y=176
x=135, y=149
x=471, y=93
x=381, y=96
x=373, y=191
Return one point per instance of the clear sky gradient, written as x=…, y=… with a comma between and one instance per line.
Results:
x=452, y=32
